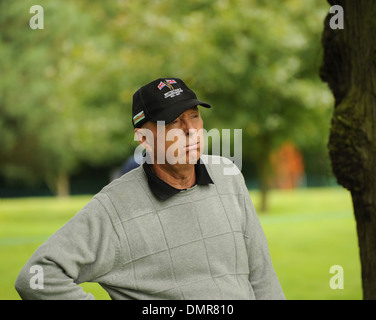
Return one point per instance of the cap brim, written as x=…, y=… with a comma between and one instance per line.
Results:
x=175, y=110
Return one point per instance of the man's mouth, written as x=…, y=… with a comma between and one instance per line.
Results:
x=192, y=146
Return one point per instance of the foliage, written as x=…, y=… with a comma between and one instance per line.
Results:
x=255, y=62
x=59, y=102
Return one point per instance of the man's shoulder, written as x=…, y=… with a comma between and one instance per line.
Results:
x=128, y=183
x=227, y=177
x=126, y=195
x=220, y=166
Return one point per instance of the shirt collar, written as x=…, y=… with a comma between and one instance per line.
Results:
x=164, y=191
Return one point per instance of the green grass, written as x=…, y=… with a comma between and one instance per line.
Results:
x=308, y=231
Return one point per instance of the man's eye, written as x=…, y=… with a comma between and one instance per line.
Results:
x=172, y=123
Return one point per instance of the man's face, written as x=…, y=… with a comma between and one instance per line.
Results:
x=178, y=142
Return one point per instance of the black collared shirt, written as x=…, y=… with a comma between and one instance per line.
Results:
x=164, y=191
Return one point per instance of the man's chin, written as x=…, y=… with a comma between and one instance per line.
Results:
x=193, y=156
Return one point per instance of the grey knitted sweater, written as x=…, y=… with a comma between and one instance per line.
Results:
x=203, y=243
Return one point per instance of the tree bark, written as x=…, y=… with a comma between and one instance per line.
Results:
x=62, y=185
x=264, y=185
x=264, y=172
x=349, y=68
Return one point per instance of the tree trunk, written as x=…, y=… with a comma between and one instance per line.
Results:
x=366, y=227
x=264, y=172
x=62, y=185
x=349, y=68
x=264, y=185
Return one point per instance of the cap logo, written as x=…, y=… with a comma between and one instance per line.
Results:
x=173, y=92
x=138, y=117
x=167, y=83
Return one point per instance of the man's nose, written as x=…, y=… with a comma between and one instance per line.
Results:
x=188, y=127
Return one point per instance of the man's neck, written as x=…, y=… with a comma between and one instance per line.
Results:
x=177, y=176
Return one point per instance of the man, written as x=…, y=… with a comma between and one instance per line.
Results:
x=174, y=228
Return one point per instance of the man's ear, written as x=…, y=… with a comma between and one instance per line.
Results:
x=145, y=138
x=140, y=137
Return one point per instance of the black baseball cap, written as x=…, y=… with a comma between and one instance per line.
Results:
x=163, y=99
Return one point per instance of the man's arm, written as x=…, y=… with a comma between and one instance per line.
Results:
x=262, y=276
x=81, y=251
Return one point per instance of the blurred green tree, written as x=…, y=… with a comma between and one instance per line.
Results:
x=255, y=62
x=59, y=98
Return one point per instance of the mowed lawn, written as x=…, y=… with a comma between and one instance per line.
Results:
x=308, y=231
